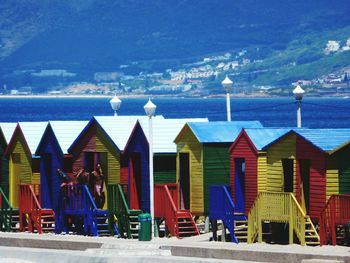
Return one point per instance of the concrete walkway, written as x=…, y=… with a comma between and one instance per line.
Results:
x=67, y=248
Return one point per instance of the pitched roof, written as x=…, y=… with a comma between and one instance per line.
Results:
x=328, y=140
x=165, y=131
x=261, y=137
x=220, y=131
x=33, y=131
x=119, y=128
x=7, y=129
x=66, y=132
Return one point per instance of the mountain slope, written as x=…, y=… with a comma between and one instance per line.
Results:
x=85, y=36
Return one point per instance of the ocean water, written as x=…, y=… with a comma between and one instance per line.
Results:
x=272, y=112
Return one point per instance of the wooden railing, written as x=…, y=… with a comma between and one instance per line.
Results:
x=277, y=207
x=5, y=212
x=221, y=207
x=160, y=198
x=254, y=223
x=77, y=200
x=117, y=205
x=29, y=205
x=165, y=206
x=336, y=212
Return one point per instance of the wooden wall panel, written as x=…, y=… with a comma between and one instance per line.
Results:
x=20, y=168
x=216, y=168
x=317, y=184
x=244, y=149
x=262, y=172
x=86, y=143
x=283, y=149
x=51, y=152
x=189, y=144
x=104, y=145
x=332, y=176
x=138, y=144
x=343, y=164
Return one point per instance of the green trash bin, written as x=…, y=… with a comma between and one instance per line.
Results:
x=145, y=225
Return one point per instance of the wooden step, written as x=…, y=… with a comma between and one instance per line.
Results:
x=315, y=243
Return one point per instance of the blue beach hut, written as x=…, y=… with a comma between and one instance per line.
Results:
x=53, y=152
x=164, y=159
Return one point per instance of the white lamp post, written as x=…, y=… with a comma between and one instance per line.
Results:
x=115, y=104
x=150, y=110
x=298, y=94
x=227, y=84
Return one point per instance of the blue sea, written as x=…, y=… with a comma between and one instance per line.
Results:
x=273, y=112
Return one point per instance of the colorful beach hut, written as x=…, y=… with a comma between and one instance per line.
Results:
x=164, y=160
x=24, y=166
x=308, y=163
x=6, y=132
x=103, y=141
x=203, y=160
x=53, y=152
x=248, y=165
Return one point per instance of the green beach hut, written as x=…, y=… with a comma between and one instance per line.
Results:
x=203, y=160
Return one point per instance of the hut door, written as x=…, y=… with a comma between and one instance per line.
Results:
x=288, y=174
x=135, y=181
x=184, y=180
x=101, y=158
x=14, y=178
x=46, y=181
x=239, y=184
x=304, y=166
x=89, y=162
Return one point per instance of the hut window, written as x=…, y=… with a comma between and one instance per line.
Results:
x=164, y=163
x=68, y=164
x=89, y=161
x=123, y=161
x=36, y=165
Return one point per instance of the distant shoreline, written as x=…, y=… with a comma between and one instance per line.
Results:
x=68, y=96
x=153, y=96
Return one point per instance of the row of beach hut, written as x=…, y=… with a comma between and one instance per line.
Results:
x=274, y=168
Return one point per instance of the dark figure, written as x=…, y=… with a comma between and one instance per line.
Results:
x=82, y=177
x=99, y=193
x=64, y=178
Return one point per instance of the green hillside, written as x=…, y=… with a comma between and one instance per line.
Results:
x=302, y=59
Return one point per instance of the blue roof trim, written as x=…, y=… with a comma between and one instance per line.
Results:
x=47, y=131
x=325, y=139
x=220, y=131
x=262, y=137
x=93, y=120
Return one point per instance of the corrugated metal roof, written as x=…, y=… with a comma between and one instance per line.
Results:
x=220, y=131
x=261, y=137
x=66, y=132
x=326, y=139
x=119, y=128
x=7, y=129
x=165, y=131
x=33, y=131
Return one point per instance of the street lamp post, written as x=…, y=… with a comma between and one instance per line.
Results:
x=227, y=84
x=150, y=110
x=298, y=94
x=115, y=104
